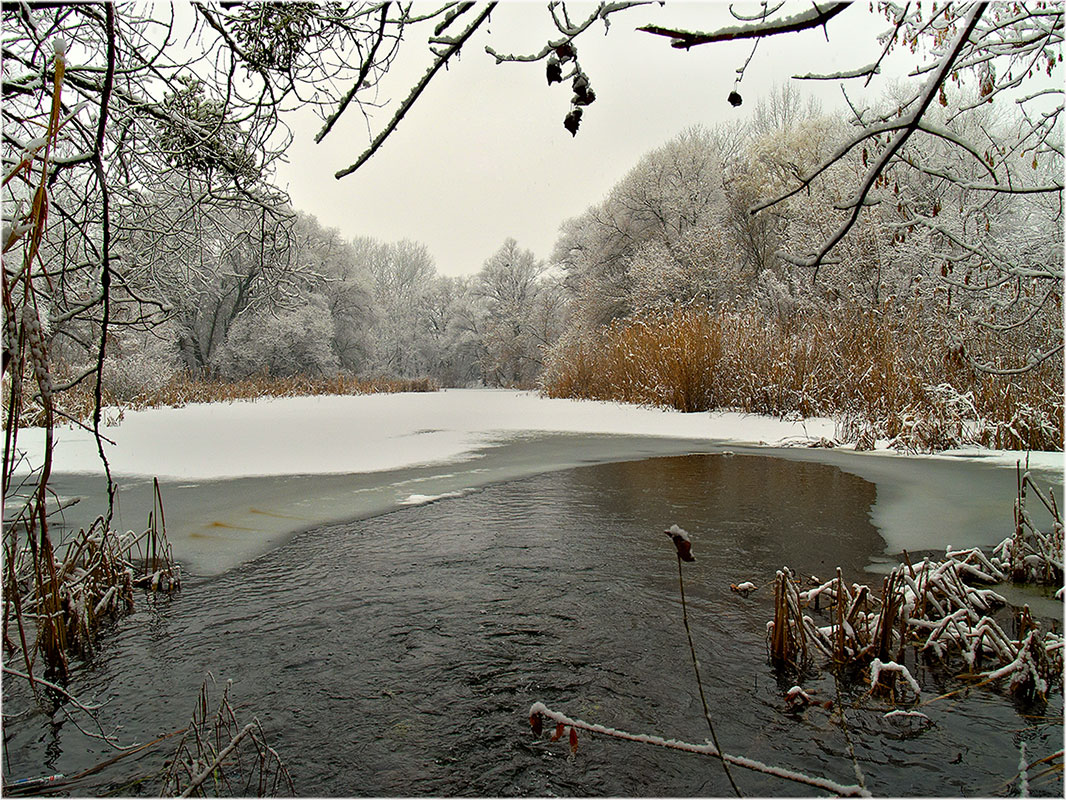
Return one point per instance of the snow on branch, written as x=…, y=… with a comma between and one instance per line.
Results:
x=568, y=30
x=538, y=711
x=360, y=81
x=812, y=18
x=907, y=125
x=861, y=72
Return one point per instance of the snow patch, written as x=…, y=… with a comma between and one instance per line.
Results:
x=423, y=499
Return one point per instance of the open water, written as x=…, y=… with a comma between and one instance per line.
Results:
x=399, y=655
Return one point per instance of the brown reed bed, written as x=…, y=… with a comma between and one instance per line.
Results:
x=78, y=402
x=57, y=599
x=882, y=375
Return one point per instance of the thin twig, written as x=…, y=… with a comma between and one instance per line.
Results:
x=699, y=681
x=419, y=87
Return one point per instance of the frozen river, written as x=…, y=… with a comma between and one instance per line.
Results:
x=462, y=555
x=240, y=479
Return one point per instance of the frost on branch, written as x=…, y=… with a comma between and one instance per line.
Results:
x=538, y=712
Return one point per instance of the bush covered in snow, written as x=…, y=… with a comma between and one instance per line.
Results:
x=298, y=341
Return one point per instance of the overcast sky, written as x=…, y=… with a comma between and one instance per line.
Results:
x=483, y=154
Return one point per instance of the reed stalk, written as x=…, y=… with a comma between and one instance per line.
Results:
x=699, y=680
x=880, y=374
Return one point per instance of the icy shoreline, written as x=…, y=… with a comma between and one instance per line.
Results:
x=241, y=478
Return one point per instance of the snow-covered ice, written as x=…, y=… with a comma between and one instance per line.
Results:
x=239, y=478
x=369, y=433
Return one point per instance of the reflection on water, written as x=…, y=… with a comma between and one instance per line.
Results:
x=399, y=655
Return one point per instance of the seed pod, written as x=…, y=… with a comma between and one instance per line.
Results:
x=583, y=94
x=31, y=326
x=735, y=99
x=681, y=541
x=11, y=336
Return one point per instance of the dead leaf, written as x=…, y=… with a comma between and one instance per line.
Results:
x=572, y=121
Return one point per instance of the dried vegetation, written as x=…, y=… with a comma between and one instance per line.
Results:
x=57, y=599
x=936, y=610
x=185, y=389
x=882, y=374
x=219, y=757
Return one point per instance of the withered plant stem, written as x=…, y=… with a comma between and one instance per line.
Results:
x=699, y=680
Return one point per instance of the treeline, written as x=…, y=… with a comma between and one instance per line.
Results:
x=294, y=299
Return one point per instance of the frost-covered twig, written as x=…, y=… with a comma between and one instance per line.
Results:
x=538, y=710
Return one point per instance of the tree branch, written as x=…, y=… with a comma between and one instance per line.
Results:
x=442, y=59
x=907, y=126
x=814, y=18
x=368, y=63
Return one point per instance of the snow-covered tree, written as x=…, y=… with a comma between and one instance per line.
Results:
x=334, y=271
x=298, y=341
x=673, y=196
x=401, y=274
x=507, y=285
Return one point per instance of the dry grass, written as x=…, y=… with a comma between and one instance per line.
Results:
x=881, y=375
x=188, y=390
x=56, y=601
x=218, y=757
x=786, y=639
x=935, y=609
x=78, y=401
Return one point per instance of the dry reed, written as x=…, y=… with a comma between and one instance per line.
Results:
x=217, y=756
x=78, y=401
x=57, y=599
x=882, y=375
x=936, y=610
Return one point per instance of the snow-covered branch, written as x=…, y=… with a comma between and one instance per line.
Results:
x=815, y=17
x=442, y=58
x=539, y=710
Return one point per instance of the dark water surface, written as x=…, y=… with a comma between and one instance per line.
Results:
x=399, y=655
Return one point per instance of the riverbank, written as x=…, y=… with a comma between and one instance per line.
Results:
x=240, y=478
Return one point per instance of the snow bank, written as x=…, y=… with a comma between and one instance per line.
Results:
x=239, y=478
x=372, y=433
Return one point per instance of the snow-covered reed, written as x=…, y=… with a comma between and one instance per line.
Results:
x=1032, y=555
x=932, y=610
